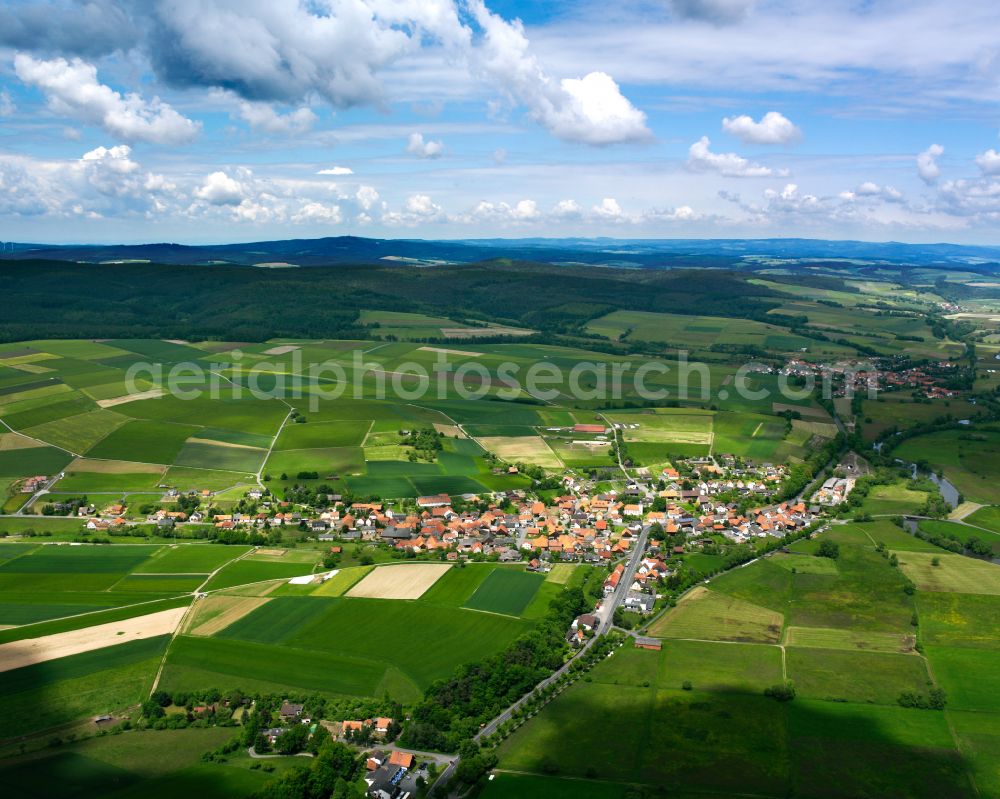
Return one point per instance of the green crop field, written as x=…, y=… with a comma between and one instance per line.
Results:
x=224, y=457
x=296, y=640
x=727, y=739
x=806, y=564
x=190, y=558
x=254, y=571
x=194, y=663
x=457, y=585
x=71, y=688
x=318, y=435
x=970, y=675
x=70, y=560
x=147, y=442
x=505, y=591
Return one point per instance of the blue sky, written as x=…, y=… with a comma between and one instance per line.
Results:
x=232, y=120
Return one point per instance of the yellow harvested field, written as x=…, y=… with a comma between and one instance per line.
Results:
x=401, y=581
x=283, y=349
x=475, y=332
x=216, y=612
x=31, y=368
x=214, y=443
x=527, y=449
x=660, y=435
x=18, y=654
x=153, y=393
x=450, y=352
x=114, y=467
x=17, y=441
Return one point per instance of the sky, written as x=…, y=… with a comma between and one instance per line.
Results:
x=202, y=121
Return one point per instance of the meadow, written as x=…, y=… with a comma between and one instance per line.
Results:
x=969, y=458
x=844, y=635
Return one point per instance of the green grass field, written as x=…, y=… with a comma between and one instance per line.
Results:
x=970, y=458
x=71, y=688
x=313, y=642
x=953, y=573
x=709, y=615
x=505, y=591
x=190, y=558
x=987, y=517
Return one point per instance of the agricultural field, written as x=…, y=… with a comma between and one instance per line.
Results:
x=703, y=613
x=306, y=638
x=847, y=644
x=160, y=763
x=969, y=458
x=894, y=499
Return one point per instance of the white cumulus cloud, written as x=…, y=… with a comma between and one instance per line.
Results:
x=989, y=162
x=336, y=171
x=773, y=128
x=72, y=89
x=590, y=109
x=702, y=159
x=927, y=166
x=263, y=117
x=424, y=149
x=220, y=189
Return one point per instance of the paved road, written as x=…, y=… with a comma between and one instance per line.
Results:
x=606, y=615
x=607, y=612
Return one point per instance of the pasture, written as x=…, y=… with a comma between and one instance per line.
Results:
x=969, y=457
x=707, y=614
x=952, y=573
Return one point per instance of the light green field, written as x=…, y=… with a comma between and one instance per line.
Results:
x=806, y=564
x=950, y=619
x=78, y=433
x=706, y=614
x=953, y=573
x=894, y=499
x=969, y=457
x=190, y=558
x=854, y=640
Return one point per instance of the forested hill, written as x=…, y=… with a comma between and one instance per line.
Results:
x=626, y=253
x=57, y=299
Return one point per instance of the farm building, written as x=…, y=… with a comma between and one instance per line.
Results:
x=642, y=642
x=589, y=428
x=434, y=501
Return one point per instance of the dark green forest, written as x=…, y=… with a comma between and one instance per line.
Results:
x=58, y=299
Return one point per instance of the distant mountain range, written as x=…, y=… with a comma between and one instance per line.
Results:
x=619, y=253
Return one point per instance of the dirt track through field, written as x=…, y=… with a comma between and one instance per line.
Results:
x=403, y=581
x=18, y=654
